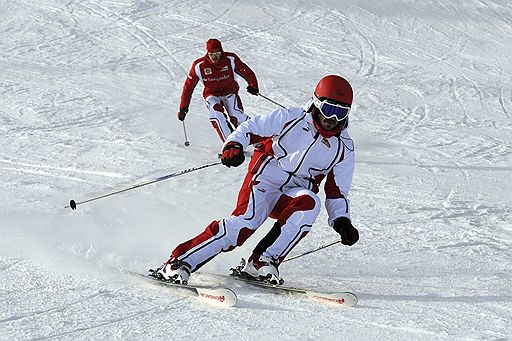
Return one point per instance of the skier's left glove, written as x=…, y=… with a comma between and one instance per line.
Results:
x=349, y=234
x=232, y=154
x=253, y=91
x=182, y=113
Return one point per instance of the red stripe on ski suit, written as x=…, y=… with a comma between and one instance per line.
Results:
x=211, y=231
x=217, y=129
x=286, y=206
x=244, y=195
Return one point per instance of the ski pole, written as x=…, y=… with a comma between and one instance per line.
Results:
x=185, y=132
x=73, y=203
x=311, y=251
x=268, y=99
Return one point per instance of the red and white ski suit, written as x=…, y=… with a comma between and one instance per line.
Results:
x=281, y=183
x=220, y=90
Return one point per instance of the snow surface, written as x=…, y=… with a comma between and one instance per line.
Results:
x=89, y=94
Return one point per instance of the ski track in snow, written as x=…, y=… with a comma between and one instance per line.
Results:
x=90, y=91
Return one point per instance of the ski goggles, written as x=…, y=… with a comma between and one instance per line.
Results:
x=215, y=53
x=332, y=110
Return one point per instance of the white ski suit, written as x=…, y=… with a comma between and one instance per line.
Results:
x=281, y=183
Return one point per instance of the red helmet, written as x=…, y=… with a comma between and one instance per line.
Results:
x=332, y=98
x=213, y=45
x=334, y=88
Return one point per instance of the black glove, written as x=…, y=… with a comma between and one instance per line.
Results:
x=253, y=91
x=182, y=113
x=349, y=234
x=232, y=154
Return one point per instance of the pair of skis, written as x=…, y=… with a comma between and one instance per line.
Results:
x=223, y=296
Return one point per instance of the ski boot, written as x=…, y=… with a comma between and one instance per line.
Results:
x=174, y=271
x=258, y=268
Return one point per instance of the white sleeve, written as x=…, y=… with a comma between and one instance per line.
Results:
x=263, y=126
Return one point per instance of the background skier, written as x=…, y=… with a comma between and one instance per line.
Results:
x=218, y=71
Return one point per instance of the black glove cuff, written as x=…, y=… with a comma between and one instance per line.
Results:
x=341, y=223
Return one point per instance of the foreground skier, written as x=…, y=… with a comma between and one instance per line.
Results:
x=299, y=148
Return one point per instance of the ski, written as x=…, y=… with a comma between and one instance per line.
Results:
x=343, y=299
x=220, y=296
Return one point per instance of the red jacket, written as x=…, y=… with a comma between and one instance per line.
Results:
x=218, y=79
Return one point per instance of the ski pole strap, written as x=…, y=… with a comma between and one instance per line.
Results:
x=270, y=100
x=311, y=251
x=73, y=203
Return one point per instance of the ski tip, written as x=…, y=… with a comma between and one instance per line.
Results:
x=218, y=296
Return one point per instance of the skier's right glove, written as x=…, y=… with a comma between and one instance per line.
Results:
x=232, y=154
x=182, y=113
x=349, y=234
x=253, y=91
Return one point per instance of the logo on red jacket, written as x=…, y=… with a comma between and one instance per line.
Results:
x=225, y=68
x=207, y=71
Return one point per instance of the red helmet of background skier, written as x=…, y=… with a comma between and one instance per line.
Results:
x=332, y=98
x=213, y=45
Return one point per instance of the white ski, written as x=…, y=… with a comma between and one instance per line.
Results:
x=220, y=296
x=342, y=299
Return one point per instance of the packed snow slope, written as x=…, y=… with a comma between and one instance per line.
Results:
x=89, y=95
